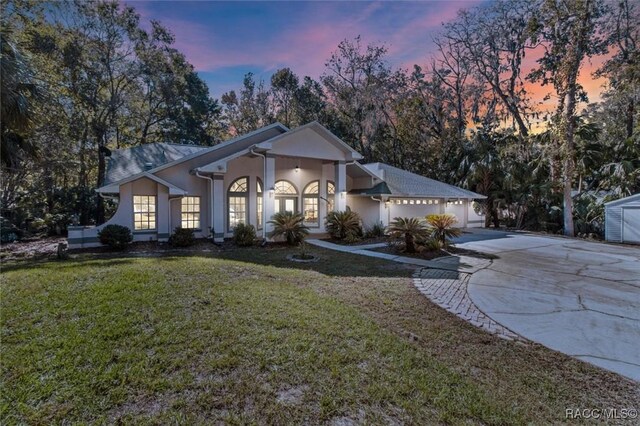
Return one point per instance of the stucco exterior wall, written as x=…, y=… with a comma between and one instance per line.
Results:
x=368, y=209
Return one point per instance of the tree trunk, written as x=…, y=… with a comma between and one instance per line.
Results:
x=630, y=116
x=408, y=242
x=102, y=163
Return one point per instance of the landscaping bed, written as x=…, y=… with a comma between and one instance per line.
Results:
x=433, y=254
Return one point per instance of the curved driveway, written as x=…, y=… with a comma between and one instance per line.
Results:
x=577, y=297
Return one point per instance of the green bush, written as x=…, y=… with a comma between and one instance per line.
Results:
x=290, y=226
x=8, y=231
x=442, y=228
x=115, y=236
x=182, y=237
x=411, y=229
x=376, y=230
x=344, y=225
x=244, y=235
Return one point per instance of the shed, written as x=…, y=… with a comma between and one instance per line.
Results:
x=622, y=220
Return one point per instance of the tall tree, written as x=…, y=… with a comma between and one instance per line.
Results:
x=570, y=32
x=494, y=40
x=284, y=86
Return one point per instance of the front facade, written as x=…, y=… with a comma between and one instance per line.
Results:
x=309, y=170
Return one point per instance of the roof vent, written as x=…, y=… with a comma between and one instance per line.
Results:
x=148, y=166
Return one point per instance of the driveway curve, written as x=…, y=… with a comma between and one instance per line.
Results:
x=577, y=297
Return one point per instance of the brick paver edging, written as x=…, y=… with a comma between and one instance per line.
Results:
x=448, y=289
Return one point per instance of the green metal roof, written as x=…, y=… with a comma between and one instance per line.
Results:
x=379, y=189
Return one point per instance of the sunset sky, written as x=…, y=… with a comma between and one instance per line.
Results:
x=225, y=40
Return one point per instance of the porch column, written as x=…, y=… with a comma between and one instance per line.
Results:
x=466, y=206
x=268, y=192
x=341, y=185
x=218, y=208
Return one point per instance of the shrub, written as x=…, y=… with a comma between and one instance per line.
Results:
x=56, y=223
x=290, y=226
x=244, y=235
x=431, y=244
x=8, y=231
x=410, y=229
x=376, y=230
x=115, y=236
x=343, y=225
x=442, y=228
x=182, y=237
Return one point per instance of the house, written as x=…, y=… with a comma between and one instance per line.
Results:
x=247, y=179
x=622, y=220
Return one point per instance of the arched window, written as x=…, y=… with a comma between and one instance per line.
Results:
x=310, y=203
x=259, y=202
x=284, y=187
x=331, y=196
x=286, y=197
x=238, y=197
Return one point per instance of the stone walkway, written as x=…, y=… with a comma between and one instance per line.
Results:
x=443, y=280
x=448, y=289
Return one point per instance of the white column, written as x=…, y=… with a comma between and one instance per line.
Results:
x=218, y=209
x=466, y=205
x=163, y=218
x=268, y=194
x=341, y=185
x=322, y=192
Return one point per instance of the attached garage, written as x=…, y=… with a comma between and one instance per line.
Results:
x=622, y=220
x=405, y=194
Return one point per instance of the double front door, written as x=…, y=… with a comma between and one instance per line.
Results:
x=286, y=204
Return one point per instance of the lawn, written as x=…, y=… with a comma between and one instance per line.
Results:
x=224, y=337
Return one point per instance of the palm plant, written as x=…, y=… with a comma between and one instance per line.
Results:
x=290, y=226
x=17, y=108
x=410, y=229
x=442, y=228
x=343, y=224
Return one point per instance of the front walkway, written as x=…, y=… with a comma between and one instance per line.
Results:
x=443, y=280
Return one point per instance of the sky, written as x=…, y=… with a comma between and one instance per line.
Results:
x=226, y=40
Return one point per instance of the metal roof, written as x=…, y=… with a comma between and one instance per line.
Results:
x=379, y=189
x=626, y=200
x=404, y=183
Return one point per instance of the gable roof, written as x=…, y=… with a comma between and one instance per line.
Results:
x=403, y=183
x=128, y=166
x=626, y=200
x=322, y=131
x=127, y=162
x=114, y=188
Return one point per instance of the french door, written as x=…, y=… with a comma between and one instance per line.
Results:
x=286, y=204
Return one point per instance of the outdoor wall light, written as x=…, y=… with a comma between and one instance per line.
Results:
x=343, y=194
x=297, y=169
x=272, y=191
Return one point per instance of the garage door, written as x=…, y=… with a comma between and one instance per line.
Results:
x=631, y=225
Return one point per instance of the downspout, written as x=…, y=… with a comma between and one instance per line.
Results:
x=264, y=191
x=213, y=236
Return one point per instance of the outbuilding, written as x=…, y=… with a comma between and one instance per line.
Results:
x=622, y=220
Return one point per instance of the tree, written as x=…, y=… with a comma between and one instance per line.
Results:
x=570, y=32
x=19, y=91
x=251, y=110
x=493, y=40
x=355, y=80
x=284, y=87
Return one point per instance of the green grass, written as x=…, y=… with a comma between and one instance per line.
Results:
x=200, y=339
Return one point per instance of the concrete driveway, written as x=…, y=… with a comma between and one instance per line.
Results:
x=577, y=297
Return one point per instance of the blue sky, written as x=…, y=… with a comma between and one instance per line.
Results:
x=225, y=40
